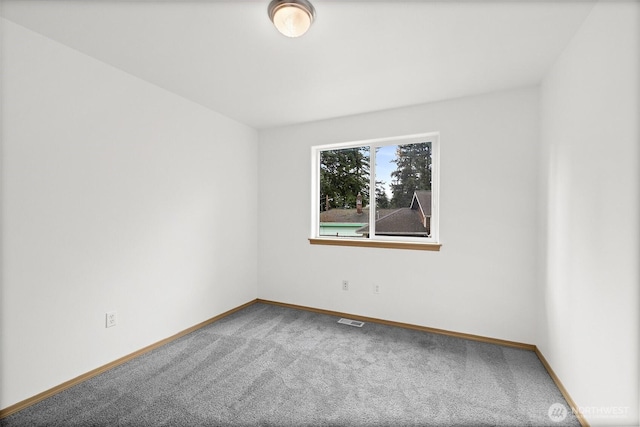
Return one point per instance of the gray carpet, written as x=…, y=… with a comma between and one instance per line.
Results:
x=272, y=366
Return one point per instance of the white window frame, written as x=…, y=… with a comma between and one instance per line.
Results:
x=401, y=242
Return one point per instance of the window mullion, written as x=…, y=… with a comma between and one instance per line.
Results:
x=372, y=192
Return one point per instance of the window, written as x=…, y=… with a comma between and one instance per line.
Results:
x=381, y=193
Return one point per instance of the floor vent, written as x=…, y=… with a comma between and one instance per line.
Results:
x=350, y=322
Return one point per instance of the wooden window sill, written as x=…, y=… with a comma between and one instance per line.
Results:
x=376, y=244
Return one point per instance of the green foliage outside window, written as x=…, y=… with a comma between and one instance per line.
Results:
x=413, y=172
x=343, y=174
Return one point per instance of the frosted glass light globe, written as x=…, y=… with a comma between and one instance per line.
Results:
x=291, y=18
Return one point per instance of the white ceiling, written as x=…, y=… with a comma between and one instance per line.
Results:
x=359, y=56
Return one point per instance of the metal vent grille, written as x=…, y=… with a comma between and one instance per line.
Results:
x=350, y=322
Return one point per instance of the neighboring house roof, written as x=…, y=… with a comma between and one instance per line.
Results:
x=423, y=199
x=350, y=215
x=401, y=222
x=344, y=215
x=411, y=221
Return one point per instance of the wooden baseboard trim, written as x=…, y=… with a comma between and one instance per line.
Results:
x=472, y=337
x=576, y=410
x=75, y=381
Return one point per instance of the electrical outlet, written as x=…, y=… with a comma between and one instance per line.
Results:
x=345, y=285
x=376, y=288
x=111, y=319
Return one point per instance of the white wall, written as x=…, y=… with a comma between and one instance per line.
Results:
x=589, y=200
x=481, y=282
x=117, y=195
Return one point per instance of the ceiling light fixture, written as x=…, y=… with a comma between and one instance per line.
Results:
x=292, y=17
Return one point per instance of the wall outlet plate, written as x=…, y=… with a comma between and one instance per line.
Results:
x=111, y=319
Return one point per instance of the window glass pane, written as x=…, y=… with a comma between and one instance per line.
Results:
x=344, y=192
x=403, y=190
